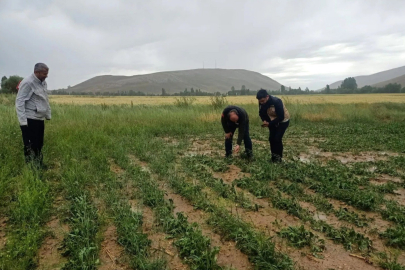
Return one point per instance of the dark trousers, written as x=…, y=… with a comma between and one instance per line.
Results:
x=33, y=138
x=246, y=140
x=276, y=140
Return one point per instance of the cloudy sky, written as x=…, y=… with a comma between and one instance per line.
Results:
x=298, y=43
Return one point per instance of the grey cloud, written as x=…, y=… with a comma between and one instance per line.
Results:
x=298, y=43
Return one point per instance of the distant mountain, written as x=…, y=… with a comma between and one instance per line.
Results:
x=374, y=78
x=208, y=80
x=400, y=80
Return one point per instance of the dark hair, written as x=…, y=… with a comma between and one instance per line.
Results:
x=262, y=93
x=40, y=67
x=233, y=111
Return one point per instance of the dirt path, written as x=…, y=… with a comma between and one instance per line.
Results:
x=161, y=246
x=112, y=256
x=49, y=255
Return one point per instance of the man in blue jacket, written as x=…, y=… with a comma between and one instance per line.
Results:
x=276, y=117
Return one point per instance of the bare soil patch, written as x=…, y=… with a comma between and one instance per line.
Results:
x=135, y=206
x=112, y=254
x=129, y=190
x=161, y=247
x=268, y=219
x=261, y=143
x=399, y=196
x=49, y=254
x=142, y=164
x=314, y=153
x=335, y=257
x=3, y=237
x=170, y=140
x=201, y=147
x=115, y=168
x=385, y=178
x=233, y=173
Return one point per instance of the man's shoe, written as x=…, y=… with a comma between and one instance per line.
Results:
x=44, y=167
x=248, y=155
x=276, y=159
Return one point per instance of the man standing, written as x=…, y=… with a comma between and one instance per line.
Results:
x=275, y=116
x=33, y=108
x=234, y=117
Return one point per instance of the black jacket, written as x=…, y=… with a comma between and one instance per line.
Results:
x=230, y=126
x=279, y=109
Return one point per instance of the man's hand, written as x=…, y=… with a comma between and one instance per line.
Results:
x=228, y=135
x=265, y=124
x=236, y=150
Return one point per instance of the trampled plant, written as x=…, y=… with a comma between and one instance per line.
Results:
x=300, y=237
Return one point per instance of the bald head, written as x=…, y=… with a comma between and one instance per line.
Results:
x=233, y=116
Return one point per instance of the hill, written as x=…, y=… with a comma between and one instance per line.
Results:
x=208, y=80
x=400, y=80
x=374, y=78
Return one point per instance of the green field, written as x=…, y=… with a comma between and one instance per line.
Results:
x=147, y=187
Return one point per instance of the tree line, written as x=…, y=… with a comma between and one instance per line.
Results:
x=243, y=91
x=349, y=86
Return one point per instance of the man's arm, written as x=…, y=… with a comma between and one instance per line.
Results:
x=224, y=123
x=24, y=94
x=242, y=128
x=262, y=112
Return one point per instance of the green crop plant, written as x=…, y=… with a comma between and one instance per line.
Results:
x=300, y=237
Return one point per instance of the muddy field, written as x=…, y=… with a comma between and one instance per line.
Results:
x=356, y=242
x=126, y=188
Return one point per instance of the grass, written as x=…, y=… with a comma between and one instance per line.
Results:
x=300, y=237
x=28, y=214
x=81, y=245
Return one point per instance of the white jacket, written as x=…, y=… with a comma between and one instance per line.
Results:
x=32, y=100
